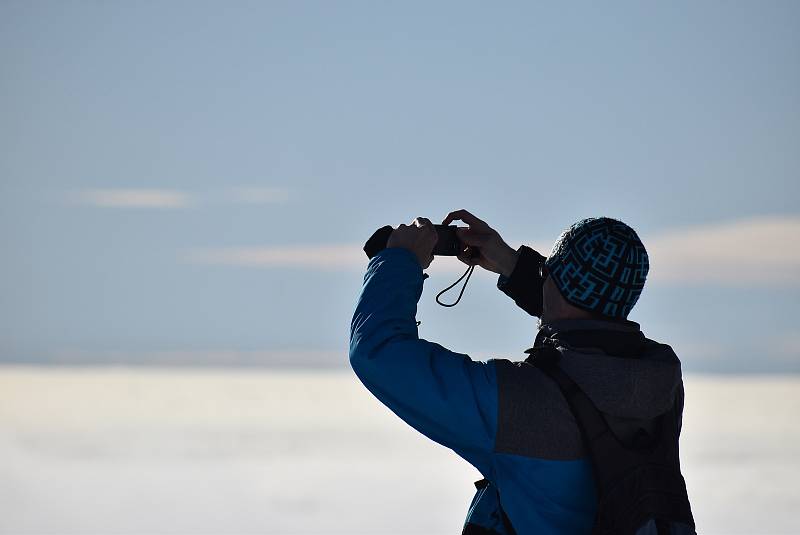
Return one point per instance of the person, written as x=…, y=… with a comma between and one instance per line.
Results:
x=508, y=419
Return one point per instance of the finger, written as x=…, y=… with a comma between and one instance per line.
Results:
x=466, y=217
x=461, y=215
x=455, y=215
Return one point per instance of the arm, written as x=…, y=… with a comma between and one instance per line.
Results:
x=445, y=395
x=524, y=285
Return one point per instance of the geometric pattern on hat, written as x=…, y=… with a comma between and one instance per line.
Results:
x=599, y=264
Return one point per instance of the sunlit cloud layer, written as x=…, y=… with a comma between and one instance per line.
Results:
x=175, y=199
x=752, y=252
x=319, y=257
x=748, y=252
x=134, y=198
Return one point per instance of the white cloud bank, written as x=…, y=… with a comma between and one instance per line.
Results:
x=760, y=251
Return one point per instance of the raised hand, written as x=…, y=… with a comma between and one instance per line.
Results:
x=483, y=245
x=420, y=238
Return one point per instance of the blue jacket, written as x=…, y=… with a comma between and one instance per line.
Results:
x=506, y=419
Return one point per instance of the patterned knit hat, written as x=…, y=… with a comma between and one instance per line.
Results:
x=599, y=264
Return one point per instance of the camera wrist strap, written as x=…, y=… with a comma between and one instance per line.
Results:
x=468, y=273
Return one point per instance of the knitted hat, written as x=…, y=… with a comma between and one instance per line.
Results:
x=599, y=264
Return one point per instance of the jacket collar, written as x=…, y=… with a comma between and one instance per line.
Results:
x=564, y=325
x=621, y=338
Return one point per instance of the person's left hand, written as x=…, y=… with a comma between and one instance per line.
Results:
x=420, y=238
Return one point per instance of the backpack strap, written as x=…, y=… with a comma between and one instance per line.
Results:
x=593, y=427
x=632, y=484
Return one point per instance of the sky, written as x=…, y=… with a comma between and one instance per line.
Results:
x=192, y=182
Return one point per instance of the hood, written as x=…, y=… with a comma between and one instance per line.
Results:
x=625, y=374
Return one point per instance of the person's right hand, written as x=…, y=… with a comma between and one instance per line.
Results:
x=483, y=245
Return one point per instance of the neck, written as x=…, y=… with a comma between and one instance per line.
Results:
x=568, y=312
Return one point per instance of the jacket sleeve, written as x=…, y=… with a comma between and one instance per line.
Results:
x=524, y=285
x=446, y=396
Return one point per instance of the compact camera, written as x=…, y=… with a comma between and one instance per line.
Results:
x=448, y=243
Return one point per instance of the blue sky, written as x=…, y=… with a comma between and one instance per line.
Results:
x=193, y=181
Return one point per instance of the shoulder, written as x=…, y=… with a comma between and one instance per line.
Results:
x=533, y=418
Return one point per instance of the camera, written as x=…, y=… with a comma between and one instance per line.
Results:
x=447, y=244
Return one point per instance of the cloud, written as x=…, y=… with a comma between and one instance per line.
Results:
x=758, y=251
x=173, y=199
x=134, y=198
x=321, y=257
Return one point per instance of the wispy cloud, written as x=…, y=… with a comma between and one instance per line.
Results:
x=134, y=198
x=758, y=251
x=174, y=199
x=322, y=257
